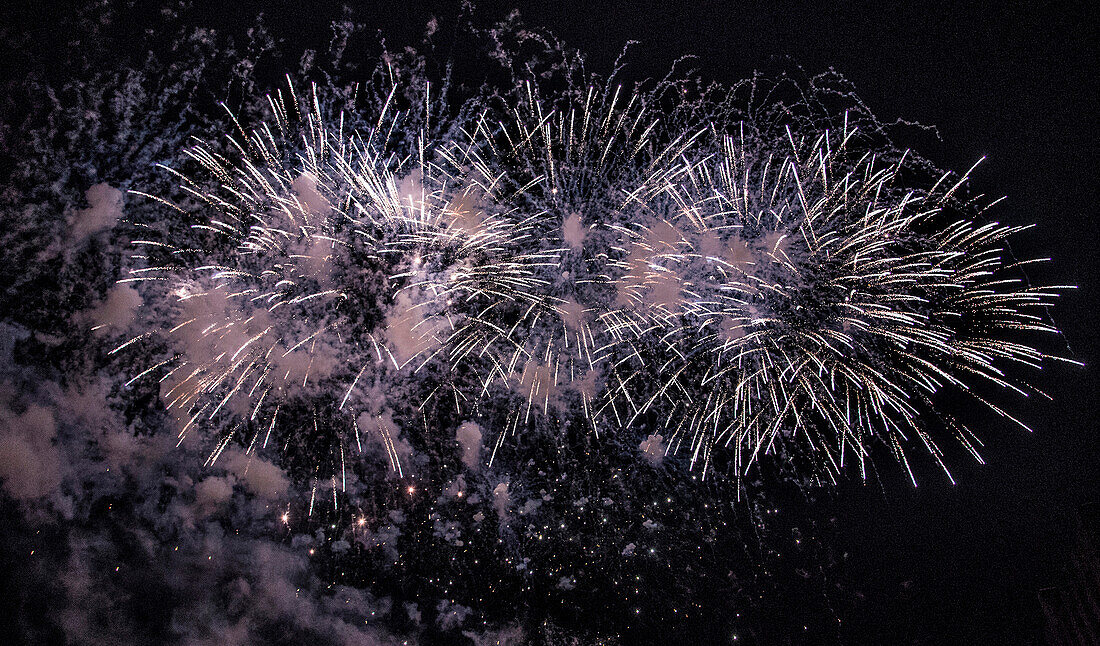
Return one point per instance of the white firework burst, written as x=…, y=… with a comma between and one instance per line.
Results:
x=814, y=302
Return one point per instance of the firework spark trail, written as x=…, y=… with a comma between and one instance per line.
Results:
x=751, y=294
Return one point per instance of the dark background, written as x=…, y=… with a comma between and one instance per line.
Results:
x=1015, y=83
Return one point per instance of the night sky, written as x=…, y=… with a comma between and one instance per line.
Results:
x=204, y=554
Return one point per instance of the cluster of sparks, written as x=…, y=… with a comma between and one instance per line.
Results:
x=711, y=288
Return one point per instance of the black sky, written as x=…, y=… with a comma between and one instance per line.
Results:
x=1013, y=82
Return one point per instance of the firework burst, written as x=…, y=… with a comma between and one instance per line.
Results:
x=820, y=304
x=568, y=166
x=304, y=282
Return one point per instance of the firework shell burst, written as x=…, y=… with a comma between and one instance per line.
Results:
x=823, y=304
x=717, y=287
